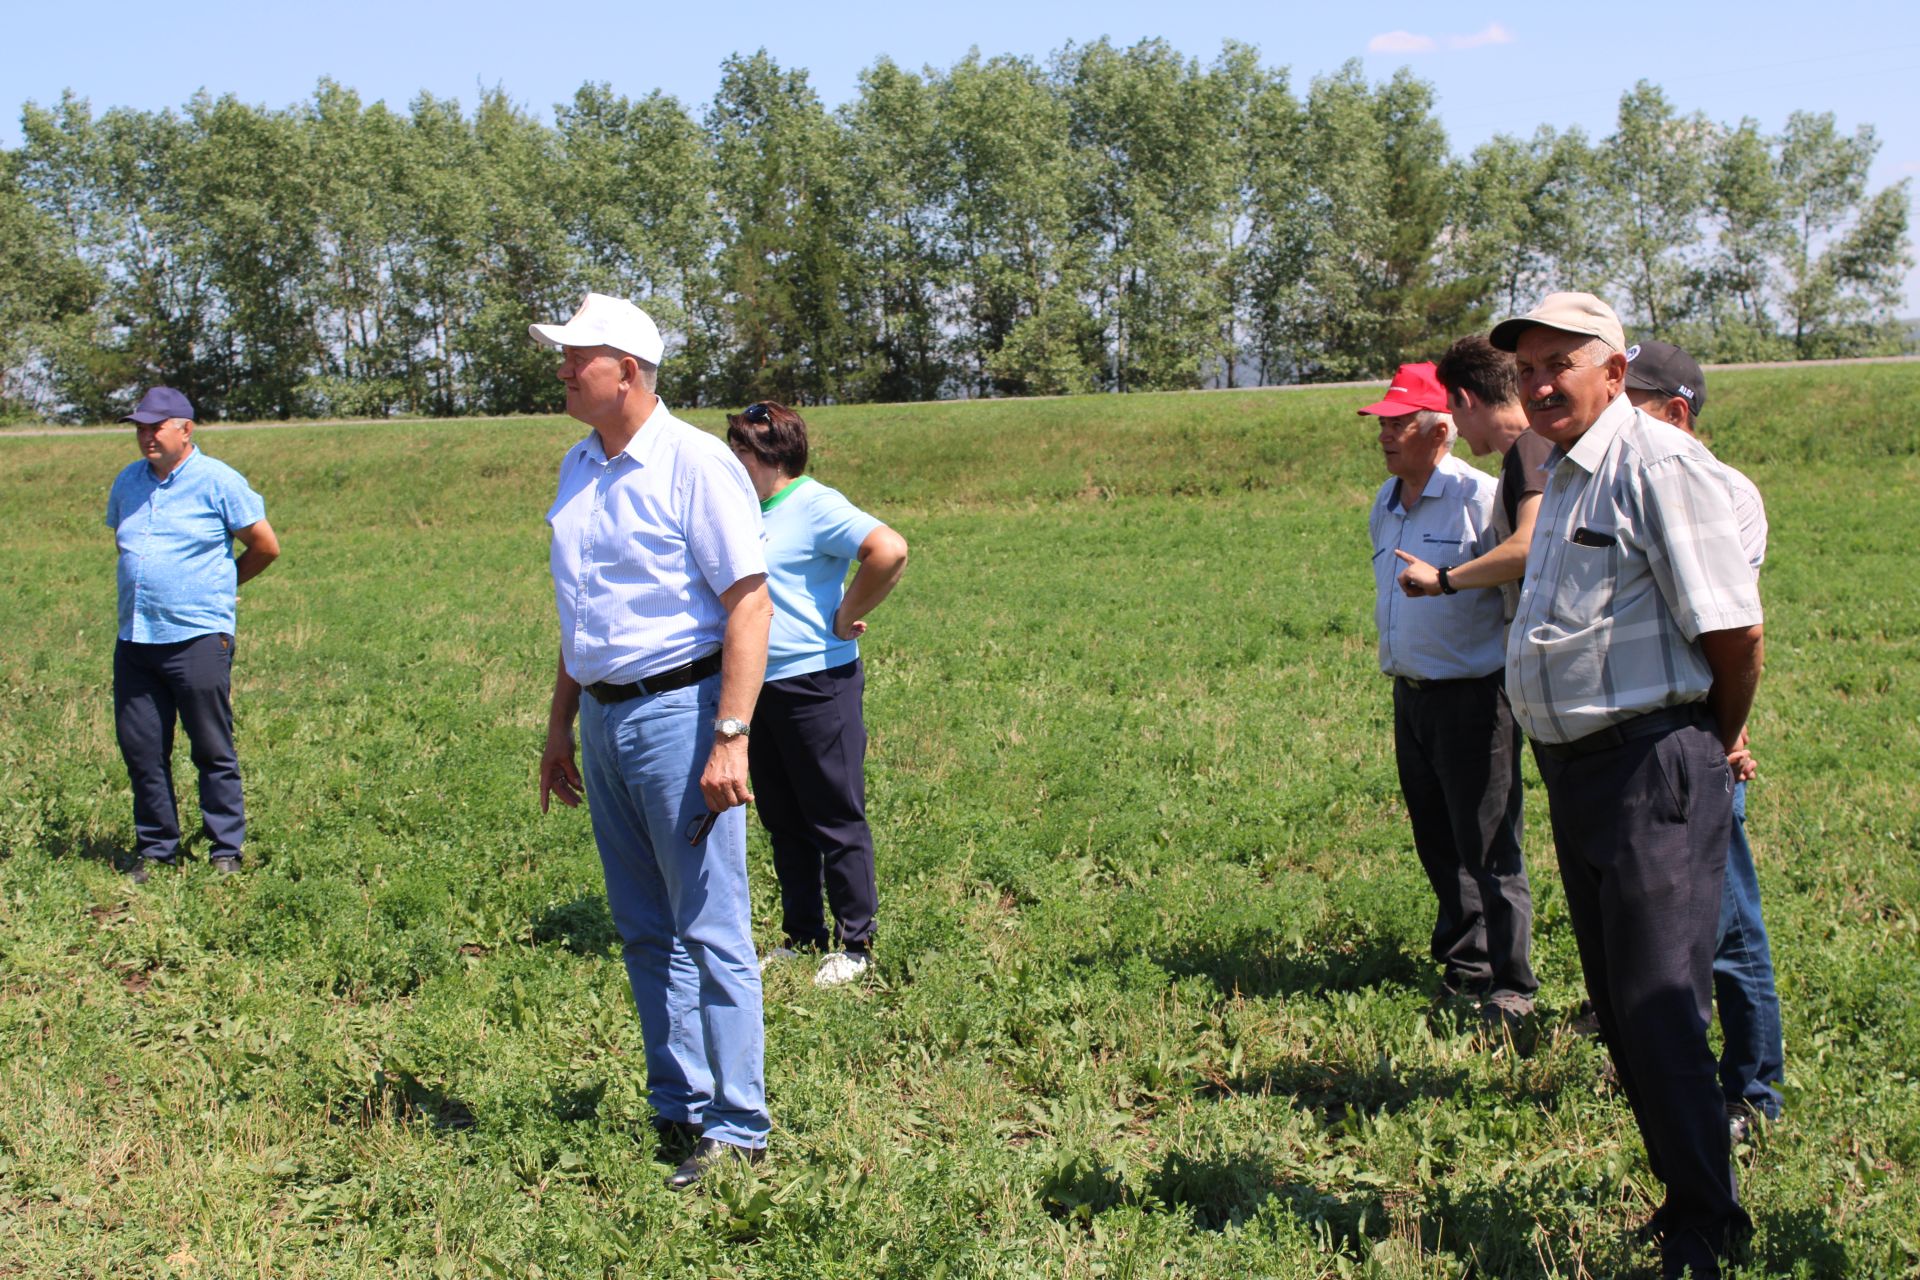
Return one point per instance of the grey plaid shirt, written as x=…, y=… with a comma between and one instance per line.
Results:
x=1636, y=552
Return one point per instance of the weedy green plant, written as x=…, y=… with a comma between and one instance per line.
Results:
x=1152, y=993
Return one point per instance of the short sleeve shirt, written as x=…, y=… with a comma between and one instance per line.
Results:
x=1522, y=475
x=813, y=537
x=175, y=538
x=644, y=545
x=1454, y=637
x=1636, y=553
x=1752, y=513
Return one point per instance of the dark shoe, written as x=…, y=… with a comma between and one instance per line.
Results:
x=1745, y=1123
x=143, y=869
x=227, y=865
x=709, y=1154
x=673, y=1139
x=1586, y=1022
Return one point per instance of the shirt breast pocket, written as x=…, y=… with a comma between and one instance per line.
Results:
x=1583, y=592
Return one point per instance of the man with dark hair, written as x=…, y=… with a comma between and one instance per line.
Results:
x=1632, y=663
x=1485, y=403
x=1666, y=382
x=661, y=587
x=1454, y=740
x=175, y=515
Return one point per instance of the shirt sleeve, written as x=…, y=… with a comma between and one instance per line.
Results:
x=724, y=532
x=839, y=527
x=113, y=505
x=239, y=505
x=1693, y=546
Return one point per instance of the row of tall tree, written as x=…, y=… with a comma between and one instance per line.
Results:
x=1108, y=219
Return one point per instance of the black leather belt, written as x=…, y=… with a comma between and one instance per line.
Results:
x=1665, y=720
x=678, y=678
x=1417, y=684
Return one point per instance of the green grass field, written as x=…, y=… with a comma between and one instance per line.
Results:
x=1153, y=991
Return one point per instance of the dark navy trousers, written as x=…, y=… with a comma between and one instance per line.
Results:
x=1458, y=752
x=807, y=757
x=1642, y=831
x=153, y=686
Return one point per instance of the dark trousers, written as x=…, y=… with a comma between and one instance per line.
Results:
x=188, y=681
x=1642, y=831
x=1458, y=749
x=807, y=757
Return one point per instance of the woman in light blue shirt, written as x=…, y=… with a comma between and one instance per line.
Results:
x=807, y=752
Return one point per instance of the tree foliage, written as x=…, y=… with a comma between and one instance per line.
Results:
x=1107, y=219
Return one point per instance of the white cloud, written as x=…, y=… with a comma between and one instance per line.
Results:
x=1494, y=33
x=1401, y=42
x=1412, y=42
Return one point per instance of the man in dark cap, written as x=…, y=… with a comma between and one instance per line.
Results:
x=175, y=514
x=1666, y=382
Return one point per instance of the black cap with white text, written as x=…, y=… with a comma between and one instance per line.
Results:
x=1665, y=368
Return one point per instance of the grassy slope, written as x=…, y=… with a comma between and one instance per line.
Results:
x=1153, y=950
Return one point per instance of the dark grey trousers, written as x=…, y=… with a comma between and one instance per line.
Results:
x=1642, y=830
x=1458, y=749
x=807, y=757
x=153, y=686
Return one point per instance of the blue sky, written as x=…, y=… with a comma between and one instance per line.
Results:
x=1497, y=66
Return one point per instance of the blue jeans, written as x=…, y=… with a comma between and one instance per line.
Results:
x=1752, y=1054
x=682, y=912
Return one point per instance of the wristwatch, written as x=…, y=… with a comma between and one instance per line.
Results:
x=728, y=727
x=1447, y=588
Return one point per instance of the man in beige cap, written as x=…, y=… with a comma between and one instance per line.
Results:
x=1632, y=663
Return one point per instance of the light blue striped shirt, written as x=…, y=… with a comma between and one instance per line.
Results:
x=175, y=536
x=1454, y=637
x=644, y=545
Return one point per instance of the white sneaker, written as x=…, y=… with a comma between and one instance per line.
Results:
x=840, y=968
x=778, y=953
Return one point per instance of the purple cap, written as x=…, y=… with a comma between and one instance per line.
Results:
x=160, y=404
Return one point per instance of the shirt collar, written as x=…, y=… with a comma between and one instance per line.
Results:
x=1592, y=446
x=785, y=492
x=641, y=448
x=1445, y=477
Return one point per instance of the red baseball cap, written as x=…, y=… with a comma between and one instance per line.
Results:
x=1415, y=387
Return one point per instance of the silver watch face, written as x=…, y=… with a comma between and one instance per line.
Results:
x=730, y=728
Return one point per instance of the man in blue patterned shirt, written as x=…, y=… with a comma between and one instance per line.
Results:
x=175, y=515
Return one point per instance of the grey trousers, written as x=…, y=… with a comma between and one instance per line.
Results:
x=1458, y=750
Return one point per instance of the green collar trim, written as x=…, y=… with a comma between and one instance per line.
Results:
x=768, y=504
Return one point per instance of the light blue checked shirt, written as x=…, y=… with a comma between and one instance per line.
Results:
x=1637, y=551
x=175, y=536
x=1456, y=637
x=644, y=545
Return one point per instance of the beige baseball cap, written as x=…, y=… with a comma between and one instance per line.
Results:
x=1568, y=312
x=604, y=321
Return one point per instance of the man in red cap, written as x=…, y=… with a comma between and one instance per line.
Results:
x=1454, y=737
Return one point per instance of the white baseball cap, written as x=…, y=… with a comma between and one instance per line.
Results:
x=604, y=321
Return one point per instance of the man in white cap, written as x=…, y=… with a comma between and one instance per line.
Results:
x=660, y=582
x=1632, y=663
